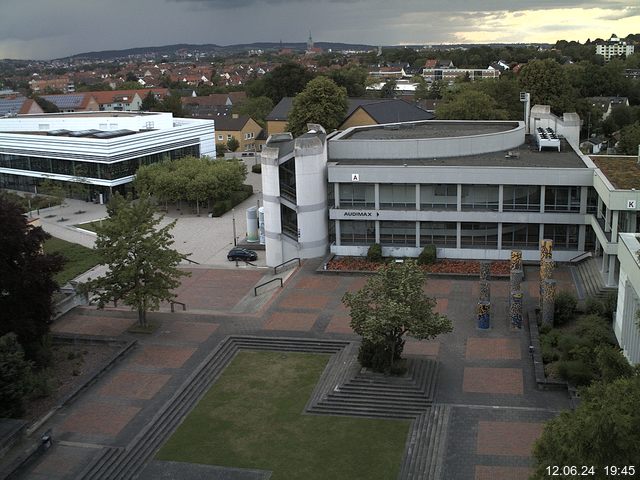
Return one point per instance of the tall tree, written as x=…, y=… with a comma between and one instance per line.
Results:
x=470, y=104
x=630, y=139
x=149, y=102
x=257, y=108
x=15, y=372
x=388, y=90
x=322, y=102
x=26, y=281
x=143, y=268
x=390, y=305
x=353, y=78
x=604, y=430
x=548, y=83
x=285, y=81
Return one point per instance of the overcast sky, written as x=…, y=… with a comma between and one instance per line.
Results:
x=44, y=29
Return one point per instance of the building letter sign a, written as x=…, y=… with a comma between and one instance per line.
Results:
x=631, y=204
x=355, y=177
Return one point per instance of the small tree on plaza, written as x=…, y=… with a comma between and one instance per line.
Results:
x=390, y=305
x=143, y=268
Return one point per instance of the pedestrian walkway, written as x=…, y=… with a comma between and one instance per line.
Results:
x=489, y=409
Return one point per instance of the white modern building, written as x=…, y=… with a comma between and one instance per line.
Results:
x=294, y=194
x=626, y=325
x=474, y=189
x=100, y=149
x=614, y=47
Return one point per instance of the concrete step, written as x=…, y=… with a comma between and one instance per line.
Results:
x=125, y=464
x=424, y=453
x=390, y=403
x=362, y=412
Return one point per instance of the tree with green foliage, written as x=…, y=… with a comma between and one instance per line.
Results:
x=286, y=80
x=26, y=281
x=149, y=103
x=548, y=83
x=629, y=139
x=257, y=108
x=321, y=102
x=54, y=189
x=15, y=372
x=388, y=90
x=172, y=103
x=191, y=179
x=470, y=105
x=423, y=91
x=353, y=78
x=604, y=430
x=391, y=305
x=233, y=144
x=143, y=268
x=46, y=105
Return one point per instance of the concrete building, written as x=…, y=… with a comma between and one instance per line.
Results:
x=294, y=194
x=100, y=149
x=625, y=324
x=474, y=189
x=614, y=47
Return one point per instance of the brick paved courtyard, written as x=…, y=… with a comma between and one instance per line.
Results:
x=486, y=376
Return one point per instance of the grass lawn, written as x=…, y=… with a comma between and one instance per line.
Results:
x=252, y=418
x=79, y=258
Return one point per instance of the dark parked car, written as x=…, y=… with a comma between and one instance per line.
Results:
x=242, y=254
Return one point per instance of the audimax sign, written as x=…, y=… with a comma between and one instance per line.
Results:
x=360, y=213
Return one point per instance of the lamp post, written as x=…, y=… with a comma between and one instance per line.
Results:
x=233, y=219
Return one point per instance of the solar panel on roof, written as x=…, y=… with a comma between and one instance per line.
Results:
x=11, y=105
x=65, y=101
x=83, y=133
x=113, y=133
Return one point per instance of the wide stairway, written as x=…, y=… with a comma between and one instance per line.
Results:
x=590, y=279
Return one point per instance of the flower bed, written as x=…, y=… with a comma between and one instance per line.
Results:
x=444, y=266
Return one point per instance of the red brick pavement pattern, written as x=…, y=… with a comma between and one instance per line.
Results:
x=507, y=438
x=339, y=324
x=215, y=289
x=484, y=472
x=99, y=419
x=302, y=299
x=493, y=380
x=438, y=287
x=357, y=284
x=187, y=331
x=300, y=322
x=442, y=304
x=163, y=357
x=493, y=348
x=61, y=461
x=135, y=385
x=323, y=283
x=422, y=348
x=533, y=288
x=91, y=325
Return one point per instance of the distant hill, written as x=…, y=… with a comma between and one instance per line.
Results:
x=212, y=49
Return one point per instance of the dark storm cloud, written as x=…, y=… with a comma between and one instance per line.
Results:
x=47, y=29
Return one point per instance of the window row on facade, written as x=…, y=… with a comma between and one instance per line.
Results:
x=515, y=198
x=97, y=170
x=446, y=234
